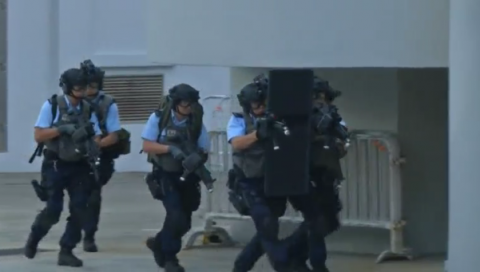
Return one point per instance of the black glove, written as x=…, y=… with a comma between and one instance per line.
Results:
x=176, y=152
x=262, y=129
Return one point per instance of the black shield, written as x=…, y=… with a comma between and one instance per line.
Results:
x=289, y=100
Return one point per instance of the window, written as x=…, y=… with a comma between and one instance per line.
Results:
x=136, y=96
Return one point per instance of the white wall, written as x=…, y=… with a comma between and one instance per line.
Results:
x=285, y=33
x=46, y=37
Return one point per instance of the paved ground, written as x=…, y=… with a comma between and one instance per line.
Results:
x=129, y=216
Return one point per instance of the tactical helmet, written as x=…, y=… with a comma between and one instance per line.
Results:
x=93, y=73
x=254, y=92
x=71, y=78
x=321, y=86
x=183, y=92
x=262, y=82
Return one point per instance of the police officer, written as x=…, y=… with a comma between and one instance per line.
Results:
x=180, y=198
x=248, y=159
x=64, y=125
x=107, y=113
x=325, y=174
x=321, y=205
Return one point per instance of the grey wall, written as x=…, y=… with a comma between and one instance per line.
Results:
x=412, y=103
x=285, y=33
x=422, y=131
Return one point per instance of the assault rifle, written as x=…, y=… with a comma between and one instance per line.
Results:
x=327, y=121
x=269, y=125
x=85, y=146
x=194, y=163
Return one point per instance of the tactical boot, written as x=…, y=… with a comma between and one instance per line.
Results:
x=66, y=258
x=173, y=267
x=321, y=269
x=89, y=245
x=301, y=268
x=31, y=246
x=157, y=253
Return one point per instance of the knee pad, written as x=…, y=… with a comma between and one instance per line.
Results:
x=178, y=223
x=270, y=228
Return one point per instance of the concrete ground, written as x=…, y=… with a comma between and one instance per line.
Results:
x=129, y=216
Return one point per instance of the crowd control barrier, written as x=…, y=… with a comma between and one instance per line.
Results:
x=370, y=193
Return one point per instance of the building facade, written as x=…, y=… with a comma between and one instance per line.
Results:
x=397, y=52
x=389, y=58
x=46, y=37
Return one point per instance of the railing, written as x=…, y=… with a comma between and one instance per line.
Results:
x=371, y=191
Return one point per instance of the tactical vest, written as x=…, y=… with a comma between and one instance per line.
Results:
x=174, y=135
x=63, y=145
x=195, y=121
x=325, y=158
x=101, y=107
x=251, y=160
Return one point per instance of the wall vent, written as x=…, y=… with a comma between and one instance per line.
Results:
x=136, y=96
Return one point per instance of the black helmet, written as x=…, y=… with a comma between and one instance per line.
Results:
x=254, y=92
x=183, y=92
x=321, y=86
x=93, y=73
x=71, y=78
x=262, y=82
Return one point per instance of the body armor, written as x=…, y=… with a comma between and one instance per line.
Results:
x=101, y=106
x=174, y=135
x=251, y=160
x=63, y=146
x=320, y=157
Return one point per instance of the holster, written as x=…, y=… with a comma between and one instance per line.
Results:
x=154, y=186
x=40, y=191
x=235, y=195
x=38, y=187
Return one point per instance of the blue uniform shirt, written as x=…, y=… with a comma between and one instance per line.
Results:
x=44, y=119
x=236, y=127
x=151, y=131
x=112, y=124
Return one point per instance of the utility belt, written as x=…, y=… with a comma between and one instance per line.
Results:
x=52, y=157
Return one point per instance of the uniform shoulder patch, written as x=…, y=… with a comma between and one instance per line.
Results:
x=52, y=99
x=238, y=114
x=158, y=113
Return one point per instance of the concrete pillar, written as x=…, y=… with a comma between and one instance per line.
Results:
x=464, y=137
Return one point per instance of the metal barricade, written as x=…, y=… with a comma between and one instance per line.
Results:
x=371, y=191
